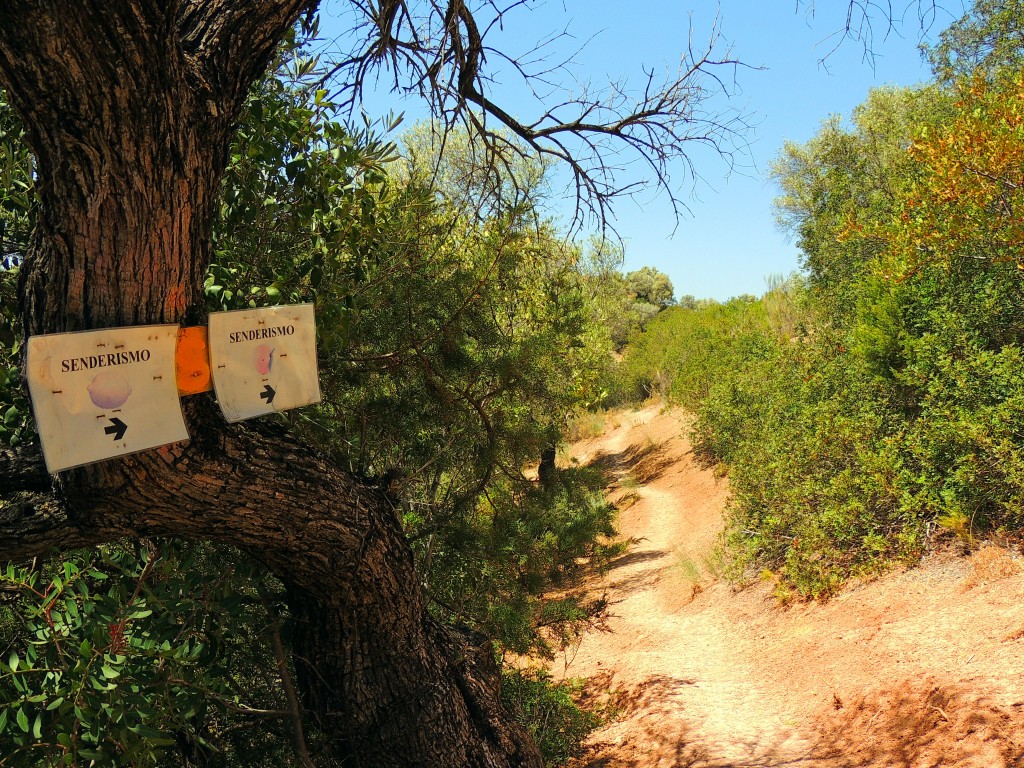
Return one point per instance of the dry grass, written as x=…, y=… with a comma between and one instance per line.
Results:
x=586, y=426
x=690, y=569
x=992, y=563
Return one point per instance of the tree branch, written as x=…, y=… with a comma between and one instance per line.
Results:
x=860, y=22
x=294, y=708
x=38, y=524
x=232, y=43
x=22, y=471
x=440, y=51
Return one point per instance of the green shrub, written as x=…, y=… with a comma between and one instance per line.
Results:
x=550, y=712
x=881, y=402
x=493, y=568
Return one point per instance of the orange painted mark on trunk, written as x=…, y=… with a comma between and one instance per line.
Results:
x=175, y=302
x=192, y=361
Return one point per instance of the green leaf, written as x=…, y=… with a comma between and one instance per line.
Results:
x=22, y=719
x=146, y=731
x=37, y=726
x=109, y=672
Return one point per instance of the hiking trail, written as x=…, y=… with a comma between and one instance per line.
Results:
x=919, y=668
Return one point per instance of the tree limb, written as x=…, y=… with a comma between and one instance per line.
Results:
x=294, y=708
x=232, y=43
x=38, y=524
x=439, y=51
x=22, y=470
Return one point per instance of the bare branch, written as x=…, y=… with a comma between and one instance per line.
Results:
x=294, y=707
x=615, y=141
x=868, y=22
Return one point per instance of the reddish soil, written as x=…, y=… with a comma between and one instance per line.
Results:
x=916, y=669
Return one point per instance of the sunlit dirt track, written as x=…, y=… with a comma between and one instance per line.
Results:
x=920, y=668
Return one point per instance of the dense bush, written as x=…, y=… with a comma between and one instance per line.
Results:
x=875, y=403
x=493, y=569
x=550, y=712
x=112, y=656
x=932, y=328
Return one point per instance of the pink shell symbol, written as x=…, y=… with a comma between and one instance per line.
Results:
x=109, y=390
x=263, y=359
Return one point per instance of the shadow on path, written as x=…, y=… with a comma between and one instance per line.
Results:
x=908, y=725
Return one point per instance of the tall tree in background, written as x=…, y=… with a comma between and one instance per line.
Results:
x=841, y=174
x=129, y=107
x=987, y=40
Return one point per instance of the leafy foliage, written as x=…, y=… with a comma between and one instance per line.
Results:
x=846, y=173
x=16, y=193
x=683, y=351
x=114, y=655
x=491, y=569
x=454, y=346
x=550, y=711
x=455, y=343
x=622, y=304
x=452, y=352
x=299, y=194
x=988, y=39
x=16, y=216
x=865, y=409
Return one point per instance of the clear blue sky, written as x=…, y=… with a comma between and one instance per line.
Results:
x=728, y=243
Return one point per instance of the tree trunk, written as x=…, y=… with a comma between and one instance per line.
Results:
x=129, y=107
x=546, y=468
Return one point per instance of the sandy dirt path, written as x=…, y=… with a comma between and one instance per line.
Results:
x=918, y=669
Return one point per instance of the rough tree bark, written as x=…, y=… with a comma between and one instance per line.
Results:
x=129, y=107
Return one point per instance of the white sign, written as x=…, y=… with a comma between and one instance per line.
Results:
x=264, y=360
x=98, y=394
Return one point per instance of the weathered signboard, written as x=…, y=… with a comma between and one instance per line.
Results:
x=99, y=394
x=264, y=360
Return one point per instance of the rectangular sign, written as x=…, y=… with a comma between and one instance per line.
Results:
x=264, y=360
x=106, y=393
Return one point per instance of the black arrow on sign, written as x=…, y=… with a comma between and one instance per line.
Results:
x=117, y=428
x=268, y=394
